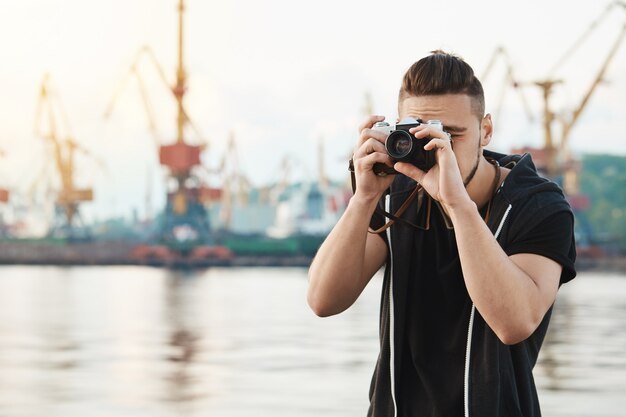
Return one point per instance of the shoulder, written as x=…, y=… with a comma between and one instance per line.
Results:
x=535, y=208
x=542, y=224
x=530, y=197
x=534, y=213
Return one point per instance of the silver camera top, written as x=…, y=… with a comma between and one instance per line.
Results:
x=437, y=124
x=387, y=128
x=383, y=127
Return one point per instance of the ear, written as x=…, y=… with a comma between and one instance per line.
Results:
x=486, y=130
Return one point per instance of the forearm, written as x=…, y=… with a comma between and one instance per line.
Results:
x=508, y=299
x=339, y=271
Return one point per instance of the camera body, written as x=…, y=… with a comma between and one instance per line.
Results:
x=405, y=147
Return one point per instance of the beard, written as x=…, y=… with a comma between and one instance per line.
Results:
x=472, y=172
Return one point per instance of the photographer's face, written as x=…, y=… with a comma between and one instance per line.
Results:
x=469, y=133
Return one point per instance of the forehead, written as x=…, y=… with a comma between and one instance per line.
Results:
x=449, y=108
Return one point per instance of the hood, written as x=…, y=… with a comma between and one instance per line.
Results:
x=523, y=180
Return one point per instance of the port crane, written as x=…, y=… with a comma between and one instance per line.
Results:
x=64, y=149
x=553, y=158
x=185, y=220
x=500, y=54
x=555, y=148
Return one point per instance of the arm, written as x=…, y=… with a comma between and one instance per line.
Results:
x=346, y=261
x=350, y=256
x=512, y=293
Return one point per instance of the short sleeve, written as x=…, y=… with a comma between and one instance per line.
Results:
x=553, y=237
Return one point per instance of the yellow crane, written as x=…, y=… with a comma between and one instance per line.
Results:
x=69, y=196
x=554, y=149
x=184, y=209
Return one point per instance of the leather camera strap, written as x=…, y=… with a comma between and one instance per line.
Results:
x=396, y=217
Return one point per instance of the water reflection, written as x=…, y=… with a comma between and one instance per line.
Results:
x=182, y=340
x=582, y=366
x=149, y=342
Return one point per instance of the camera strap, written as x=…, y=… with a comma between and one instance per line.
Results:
x=418, y=188
x=393, y=217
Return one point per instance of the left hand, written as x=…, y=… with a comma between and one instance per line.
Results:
x=443, y=181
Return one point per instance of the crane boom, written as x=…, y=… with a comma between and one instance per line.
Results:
x=576, y=114
x=510, y=80
x=576, y=44
x=551, y=149
x=181, y=77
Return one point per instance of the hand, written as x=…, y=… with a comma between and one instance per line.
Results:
x=371, y=150
x=443, y=181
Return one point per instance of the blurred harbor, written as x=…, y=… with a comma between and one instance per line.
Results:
x=214, y=213
x=188, y=297
x=230, y=342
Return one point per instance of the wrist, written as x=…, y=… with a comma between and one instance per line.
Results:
x=461, y=210
x=362, y=201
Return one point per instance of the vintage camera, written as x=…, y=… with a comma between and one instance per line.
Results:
x=404, y=147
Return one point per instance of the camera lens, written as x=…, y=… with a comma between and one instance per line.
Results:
x=402, y=146
x=399, y=144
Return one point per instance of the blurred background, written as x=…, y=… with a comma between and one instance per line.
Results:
x=168, y=169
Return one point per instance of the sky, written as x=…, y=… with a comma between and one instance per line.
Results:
x=280, y=76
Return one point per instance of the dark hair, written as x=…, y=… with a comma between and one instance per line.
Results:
x=443, y=73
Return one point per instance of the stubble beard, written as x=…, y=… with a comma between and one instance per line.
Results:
x=472, y=173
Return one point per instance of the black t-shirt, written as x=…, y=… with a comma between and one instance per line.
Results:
x=432, y=357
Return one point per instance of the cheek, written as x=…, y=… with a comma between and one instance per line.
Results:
x=466, y=145
x=463, y=147
x=466, y=154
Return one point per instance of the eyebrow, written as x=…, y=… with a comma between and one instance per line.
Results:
x=455, y=129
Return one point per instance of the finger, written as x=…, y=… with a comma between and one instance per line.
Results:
x=367, y=162
x=369, y=146
x=367, y=134
x=426, y=131
x=437, y=143
x=371, y=120
x=410, y=171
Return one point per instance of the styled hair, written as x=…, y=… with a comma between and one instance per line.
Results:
x=442, y=73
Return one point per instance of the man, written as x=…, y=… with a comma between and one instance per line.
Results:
x=471, y=272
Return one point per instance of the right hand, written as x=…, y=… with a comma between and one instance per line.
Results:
x=370, y=150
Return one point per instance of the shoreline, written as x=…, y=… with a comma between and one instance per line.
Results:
x=110, y=253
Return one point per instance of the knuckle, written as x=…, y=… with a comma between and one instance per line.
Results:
x=367, y=131
x=363, y=146
x=376, y=145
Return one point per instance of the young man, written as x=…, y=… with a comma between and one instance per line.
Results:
x=471, y=273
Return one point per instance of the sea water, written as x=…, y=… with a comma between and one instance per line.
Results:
x=140, y=341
